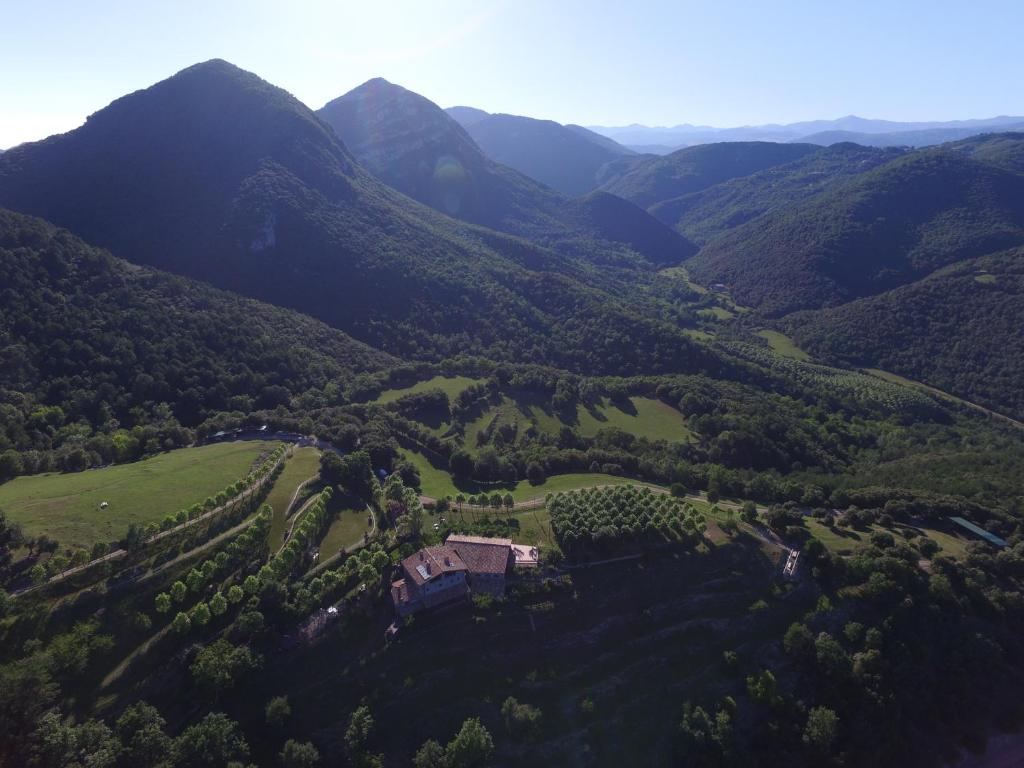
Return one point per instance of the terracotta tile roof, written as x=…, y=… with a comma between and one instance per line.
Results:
x=482, y=555
x=430, y=562
x=457, y=539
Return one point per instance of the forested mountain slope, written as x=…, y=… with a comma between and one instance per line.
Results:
x=882, y=229
x=959, y=329
x=411, y=144
x=90, y=344
x=657, y=179
x=566, y=158
x=218, y=175
x=709, y=212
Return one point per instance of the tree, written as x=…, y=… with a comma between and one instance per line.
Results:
x=360, y=725
x=535, y=473
x=178, y=591
x=472, y=746
x=762, y=686
x=218, y=604
x=140, y=729
x=251, y=585
x=798, y=640
x=213, y=742
x=219, y=665
x=163, y=602
x=820, y=732
x=749, y=512
x=520, y=719
x=430, y=755
x=200, y=614
x=235, y=594
x=296, y=754
x=278, y=711
x=508, y=501
x=181, y=624
x=37, y=574
x=461, y=463
x=250, y=623
x=63, y=743
x=410, y=525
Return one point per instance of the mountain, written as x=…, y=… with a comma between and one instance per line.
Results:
x=566, y=158
x=842, y=129
x=109, y=343
x=218, y=175
x=467, y=115
x=656, y=179
x=959, y=329
x=709, y=212
x=879, y=230
x=411, y=144
x=920, y=138
x=1003, y=150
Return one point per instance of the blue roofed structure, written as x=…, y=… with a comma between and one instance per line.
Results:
x=991, y=538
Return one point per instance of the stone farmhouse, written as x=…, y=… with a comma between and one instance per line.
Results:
x=461, y=566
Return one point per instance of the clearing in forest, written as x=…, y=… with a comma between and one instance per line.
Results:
x=66, y=507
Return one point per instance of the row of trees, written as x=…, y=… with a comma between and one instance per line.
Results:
x=606, y=516
x=249, y=544
x=266, y=470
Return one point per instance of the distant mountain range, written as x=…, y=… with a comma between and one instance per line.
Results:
x=878, y=133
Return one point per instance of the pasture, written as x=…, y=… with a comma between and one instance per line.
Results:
x=640, y=416
x=438, y=483
x=346, y=530
x=783, y=345
x=66, y=507
x=450, y=385
x=303, y=464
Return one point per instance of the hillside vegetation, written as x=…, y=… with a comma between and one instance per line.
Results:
x=958, y=329
x=567, y=158
x=875, y=232
x=103, y=361
x=235, y=182
x=692, y=169
x=411, y=144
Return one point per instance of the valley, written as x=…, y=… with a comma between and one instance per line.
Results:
x=384, y=434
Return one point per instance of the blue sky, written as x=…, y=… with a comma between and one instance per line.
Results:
x=663, y=62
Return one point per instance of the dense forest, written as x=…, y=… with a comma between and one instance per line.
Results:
x=875, y=232
x=104, y=361
x=959, y=329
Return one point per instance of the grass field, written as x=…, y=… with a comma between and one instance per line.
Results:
x=66, y=506
x=783, y=345
x=846, y=541
x=303, y=464
x=438, y=483
x=716, y=313
x=643, y=417
x=646, y=417
x=450, y=385
x=346, y=530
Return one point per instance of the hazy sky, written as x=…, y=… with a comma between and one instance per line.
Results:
x=717, y=62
